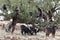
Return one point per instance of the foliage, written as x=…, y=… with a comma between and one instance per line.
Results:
x=30, y=6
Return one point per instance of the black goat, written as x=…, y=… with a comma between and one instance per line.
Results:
x=50, y=29
x=25, y=30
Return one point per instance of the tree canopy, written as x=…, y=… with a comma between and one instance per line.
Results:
x=35, y=10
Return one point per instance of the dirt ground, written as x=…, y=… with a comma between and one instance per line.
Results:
x=17, y=36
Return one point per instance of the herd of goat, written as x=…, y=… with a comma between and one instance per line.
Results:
x=34, y=29
x=30, y=30
x=25, y=29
